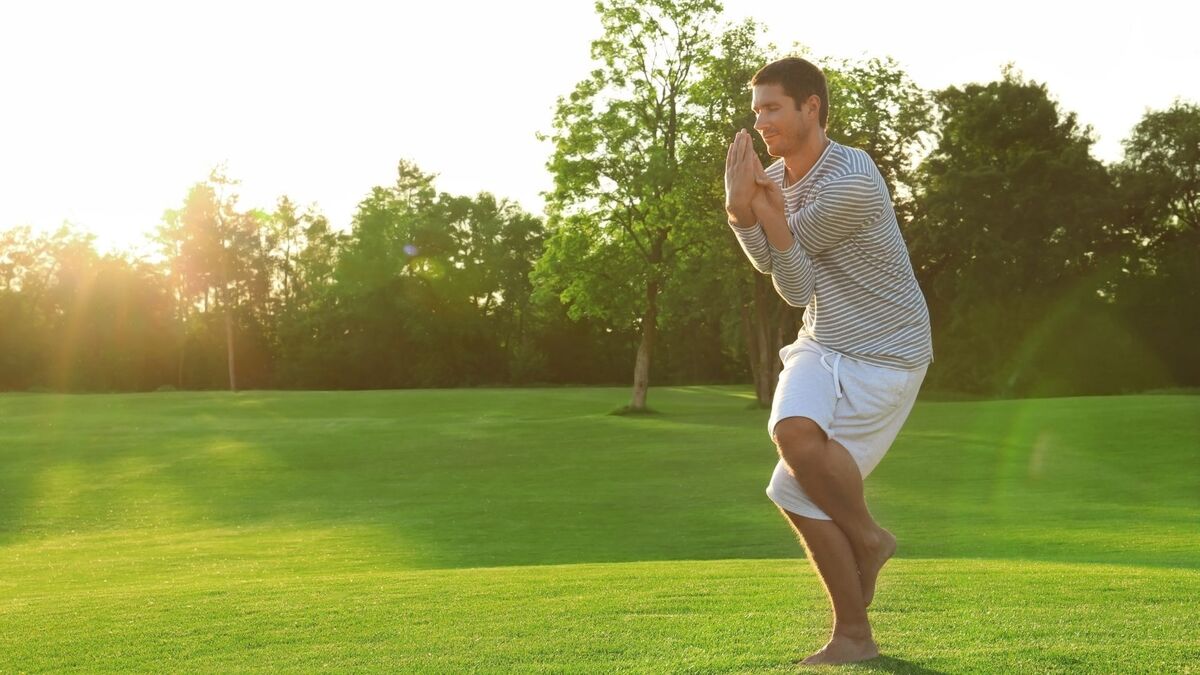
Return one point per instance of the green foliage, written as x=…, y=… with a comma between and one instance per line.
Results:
x=1013, y=186
x=76, y=320
x=620, y=182
x=1160, y=176
x=1012, y=210
x=1158, y=237
x=429, y=288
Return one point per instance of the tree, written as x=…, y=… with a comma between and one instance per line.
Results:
x=1160, y=178
x=217, y=261
x=306, y=254
x=29, y=266
x=498, y=244
x=720, y=283
x=428, y=286
x=617, y=198
x=1159, y=236
x=75, y=320
x=1012, y=207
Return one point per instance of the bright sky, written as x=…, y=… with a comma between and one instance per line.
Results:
x=110, y=111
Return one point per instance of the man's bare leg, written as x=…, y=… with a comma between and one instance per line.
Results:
x=831, y=478
x=831, y=556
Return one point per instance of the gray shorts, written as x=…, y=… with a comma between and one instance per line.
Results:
x=860, y=405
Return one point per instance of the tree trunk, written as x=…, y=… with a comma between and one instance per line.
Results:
x=229, y=348
x=786, y=326
x=767, y=329
x=641, y=369
x=751, y=348
x=182, y=324
x=182, y=353
x=765, y=301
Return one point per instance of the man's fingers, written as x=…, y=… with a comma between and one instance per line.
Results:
x=748, y=159
x=750, y=151
x=760, y=172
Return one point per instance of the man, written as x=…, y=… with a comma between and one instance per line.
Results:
x=820, y=221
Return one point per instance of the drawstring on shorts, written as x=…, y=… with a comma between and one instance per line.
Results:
x=837, y=360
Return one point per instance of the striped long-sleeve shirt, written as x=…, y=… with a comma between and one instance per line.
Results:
x=848, y=265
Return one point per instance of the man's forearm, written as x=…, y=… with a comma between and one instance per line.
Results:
x=775, y=225
x=791, y=269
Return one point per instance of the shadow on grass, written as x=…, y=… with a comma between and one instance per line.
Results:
x=884, y=664
x=482, y=478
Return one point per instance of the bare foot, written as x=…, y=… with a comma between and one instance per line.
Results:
x=843, y=650
x=872, y=561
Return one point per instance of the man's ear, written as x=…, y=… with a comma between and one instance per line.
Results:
x=813, y=104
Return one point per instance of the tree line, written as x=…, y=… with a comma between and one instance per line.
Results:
x=1046, y=270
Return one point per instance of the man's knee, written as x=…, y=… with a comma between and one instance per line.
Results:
x=799, y=440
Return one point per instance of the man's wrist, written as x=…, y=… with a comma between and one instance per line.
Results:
x=740, y=217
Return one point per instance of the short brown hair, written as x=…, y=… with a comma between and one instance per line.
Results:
x=799, y=79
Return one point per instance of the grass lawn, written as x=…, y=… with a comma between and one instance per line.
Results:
x=526, y=530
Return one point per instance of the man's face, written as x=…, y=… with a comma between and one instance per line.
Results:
x=779, y=122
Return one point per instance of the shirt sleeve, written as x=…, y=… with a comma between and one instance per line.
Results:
x=841, y=207
x=791, y=270
x=754, y=243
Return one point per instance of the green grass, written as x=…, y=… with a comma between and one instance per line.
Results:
x=527, y=530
